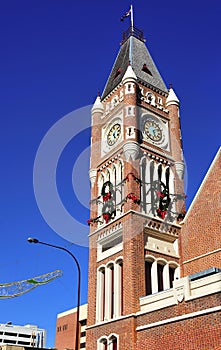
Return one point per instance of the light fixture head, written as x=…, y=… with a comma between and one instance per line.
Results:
x=32, y=240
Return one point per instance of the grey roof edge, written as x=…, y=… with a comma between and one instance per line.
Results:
x=204, y=273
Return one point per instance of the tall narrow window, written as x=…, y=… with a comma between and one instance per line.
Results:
x=113, y=343
x=171, y=275
x=103, y=344
x=152, y=187
x=120, y=185
x=159, y=174
x=160, y=277
x=112, y=291
x=143, y=188
x=115, y=184
x=121, y=289
x=148, y=266
x=103, y=295
x=100, y=302
x=167, y=178
x=118, y=288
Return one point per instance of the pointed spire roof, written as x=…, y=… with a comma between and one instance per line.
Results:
x=134, y=50
x=129, y=75
x=98, y=105
x=172, y=98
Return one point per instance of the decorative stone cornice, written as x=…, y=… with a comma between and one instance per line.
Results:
x=180, y=169
x=92, y=176
x=131, y=150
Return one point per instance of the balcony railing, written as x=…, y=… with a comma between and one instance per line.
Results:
x=132, y=31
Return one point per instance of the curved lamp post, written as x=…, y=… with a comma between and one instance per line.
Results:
x=35, y=240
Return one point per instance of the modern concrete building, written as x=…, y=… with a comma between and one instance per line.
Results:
x=28, y=335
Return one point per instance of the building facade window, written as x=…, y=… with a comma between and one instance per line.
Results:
x=159, y=274
x=148, y=266
x=108, y=343
x=109, y=303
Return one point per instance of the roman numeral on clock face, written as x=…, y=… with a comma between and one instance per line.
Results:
x=113, y=134
x=152, y=130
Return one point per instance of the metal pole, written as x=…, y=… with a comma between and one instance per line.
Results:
x=34, y=240
x=132, y=17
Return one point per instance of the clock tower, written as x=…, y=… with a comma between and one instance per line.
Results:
x=137, y=195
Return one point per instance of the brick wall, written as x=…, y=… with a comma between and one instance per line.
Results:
x=202, y=332
x=65, y=332
x=200, y=235
x=126, y=329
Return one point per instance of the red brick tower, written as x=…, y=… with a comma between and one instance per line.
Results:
x=137, y=198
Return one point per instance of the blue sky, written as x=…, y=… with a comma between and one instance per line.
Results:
x=55, y=56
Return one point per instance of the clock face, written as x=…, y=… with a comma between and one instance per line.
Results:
x=153, y=130
x=113, y=134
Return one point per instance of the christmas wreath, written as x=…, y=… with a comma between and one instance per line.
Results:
x=164, y=200
x=107, y=191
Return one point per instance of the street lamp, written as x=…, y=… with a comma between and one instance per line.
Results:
x=35, y=240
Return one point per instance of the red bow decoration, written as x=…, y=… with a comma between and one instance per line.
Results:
x=160, y=194
x=133, y=198
x=106, y=217
x=106, y=197
x=161, y=213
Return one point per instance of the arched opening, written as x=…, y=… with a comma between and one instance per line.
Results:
x=160, y=268
x=148, y=282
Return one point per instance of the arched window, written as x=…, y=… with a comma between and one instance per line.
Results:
x=152, y=197
x=100, y=185
x=148, y=282
x=109, y=291
x=109, y=302
x=118, y=283
x=173, y=273
x=160, y=173
x=143, y=188
x=159, y=274
x=100, y=307
x=114, y=182
x=112, y=291
x=108, y=175
x=108, y=343
x=168, y=178
x=113, y=343
x=160, y=268
x=119, y=186
x=103, y=344
x=150, y=98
